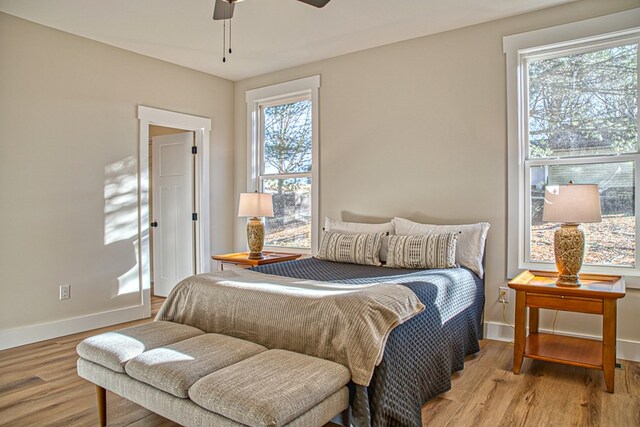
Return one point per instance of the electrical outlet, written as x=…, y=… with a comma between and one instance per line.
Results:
x=65, y=292
x=503, y=294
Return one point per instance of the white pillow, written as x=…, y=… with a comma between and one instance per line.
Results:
x=470, y=246
x=359, y=228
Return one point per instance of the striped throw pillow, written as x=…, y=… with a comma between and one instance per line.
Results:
x=423, y=251
x=351, y=248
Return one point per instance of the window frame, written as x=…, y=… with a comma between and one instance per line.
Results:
x=579, y=37
x=282, y=93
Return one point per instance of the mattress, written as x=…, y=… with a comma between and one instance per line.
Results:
x=420, y=354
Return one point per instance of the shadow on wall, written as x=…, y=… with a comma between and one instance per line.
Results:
x=121, y=219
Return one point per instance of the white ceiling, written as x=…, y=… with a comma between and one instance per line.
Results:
x=268, y=35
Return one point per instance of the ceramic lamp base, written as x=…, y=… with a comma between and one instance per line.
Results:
x=255, y=238
x=568, y=247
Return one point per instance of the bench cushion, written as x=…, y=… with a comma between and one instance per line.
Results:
x=113, y=349
x=187, y=413
x=270, y=388
x=174, y=368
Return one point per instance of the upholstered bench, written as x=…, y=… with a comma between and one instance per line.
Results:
x=200, y=379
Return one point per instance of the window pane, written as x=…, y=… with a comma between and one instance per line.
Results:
x=584, y=104
x=291, y=224
x=610, y=242
x=287, y=138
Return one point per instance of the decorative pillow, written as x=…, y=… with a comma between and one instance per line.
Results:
x=359, y=228
x=426, y=251
x=351, y=248
x=470, y=245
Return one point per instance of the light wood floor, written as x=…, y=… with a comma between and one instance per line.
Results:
x=39, y=387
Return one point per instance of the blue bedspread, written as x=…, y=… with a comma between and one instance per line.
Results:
x=420, y=354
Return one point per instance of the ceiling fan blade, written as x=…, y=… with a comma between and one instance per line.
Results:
x=316, y=3
x=223, y=10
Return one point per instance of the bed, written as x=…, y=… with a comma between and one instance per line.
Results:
x=420, y=354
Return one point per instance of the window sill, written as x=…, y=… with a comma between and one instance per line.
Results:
x=305, y=252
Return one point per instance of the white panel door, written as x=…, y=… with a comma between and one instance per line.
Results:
x=173, y=248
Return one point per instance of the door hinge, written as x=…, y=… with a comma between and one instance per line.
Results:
x=194, y=216
x=194, y=149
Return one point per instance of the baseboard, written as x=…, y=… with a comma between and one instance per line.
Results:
x=625, y=349
x=16, y=337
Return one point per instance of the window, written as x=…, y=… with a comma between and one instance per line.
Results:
x=582, y=108
x=285, y=171
x=283, y=160
x=577, y=104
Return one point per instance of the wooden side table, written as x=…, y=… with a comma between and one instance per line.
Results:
x=241, y=259
x=598, y=294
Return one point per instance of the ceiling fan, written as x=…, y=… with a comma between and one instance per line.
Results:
x=223, y=11
x=224, y=8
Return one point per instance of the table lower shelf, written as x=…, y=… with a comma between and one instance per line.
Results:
x=563, y=349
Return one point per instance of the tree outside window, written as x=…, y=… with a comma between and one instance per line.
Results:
x=286, y=172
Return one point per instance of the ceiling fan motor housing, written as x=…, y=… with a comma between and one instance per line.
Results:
x=224, y=8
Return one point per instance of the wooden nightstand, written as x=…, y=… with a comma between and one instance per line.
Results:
x=241, y=259
x=598, y=294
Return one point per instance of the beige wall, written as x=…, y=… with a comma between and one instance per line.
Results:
x=68, y=132
x=418, y=129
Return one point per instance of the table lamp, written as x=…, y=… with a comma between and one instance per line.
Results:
x=570, y=205
x=255, y=205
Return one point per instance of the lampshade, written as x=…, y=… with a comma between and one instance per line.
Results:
x=255, y=204
x=572, y=204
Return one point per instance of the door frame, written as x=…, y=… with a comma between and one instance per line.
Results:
x=201, y=126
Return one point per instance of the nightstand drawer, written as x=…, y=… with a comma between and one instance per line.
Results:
x=565, y=303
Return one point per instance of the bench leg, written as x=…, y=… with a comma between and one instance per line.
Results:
x=101, y=394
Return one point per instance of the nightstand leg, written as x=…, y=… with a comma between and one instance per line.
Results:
x=520, y=331
x=534, y=316
x=609, y=343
